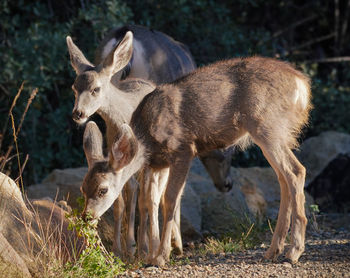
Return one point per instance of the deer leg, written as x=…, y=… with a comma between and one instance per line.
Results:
x=299, y=220
x=158, y=182
x=291, y=175
x=172, y=197
x=176, y=240
x=142, y=237
x=132, y=187
x=284, y=215
x=118, y=210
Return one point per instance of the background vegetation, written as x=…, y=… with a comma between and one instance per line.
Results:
x=312, y=34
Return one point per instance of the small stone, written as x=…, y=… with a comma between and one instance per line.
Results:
x=287, y=264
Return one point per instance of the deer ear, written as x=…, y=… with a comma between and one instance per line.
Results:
x=118, y=58
x=124, y=149
x=77, y=58
x=92, y=143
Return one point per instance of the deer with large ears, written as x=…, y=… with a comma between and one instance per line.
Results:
x=94, y=93
x=99, y=89
x=103, y=171
x=231, y=102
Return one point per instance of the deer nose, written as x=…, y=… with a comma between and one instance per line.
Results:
x=77, y=115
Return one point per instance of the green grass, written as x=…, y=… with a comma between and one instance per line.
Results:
x=95, y=260
x=249, y=236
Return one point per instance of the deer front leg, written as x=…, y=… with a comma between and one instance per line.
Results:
x=131, y=196
x=176, y=240
x=142, y=237
x=118, y=210
x=157, y=186
x=176, y=182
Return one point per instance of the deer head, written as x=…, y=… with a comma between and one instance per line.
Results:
x=92, y=83
x=106, y=175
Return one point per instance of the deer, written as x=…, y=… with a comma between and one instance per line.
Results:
x=234, y=102
x=160, y=59
x=154, y=56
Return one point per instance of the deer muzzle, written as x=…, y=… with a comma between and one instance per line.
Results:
x=78, y=115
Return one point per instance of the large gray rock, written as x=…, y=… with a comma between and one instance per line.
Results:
x=221, y=212
x=13, y=212
x=330, y=188
x=191, y=213
x=60, y=185
x=32, y=229
x=316, y=152
x=11, y=264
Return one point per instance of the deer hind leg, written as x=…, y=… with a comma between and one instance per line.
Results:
x=299, y=220
x=131, y=199
x=291, y=176
x=118, y=211
x=158, y=182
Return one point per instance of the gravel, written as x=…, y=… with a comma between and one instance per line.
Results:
x=327, y=254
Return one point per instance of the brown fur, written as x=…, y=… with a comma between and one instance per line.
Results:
x=221, y=105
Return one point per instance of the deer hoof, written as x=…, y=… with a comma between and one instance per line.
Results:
x=293, y=254
x=272, y=254
x=159, y=261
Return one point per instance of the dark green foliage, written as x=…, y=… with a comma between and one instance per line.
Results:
x=33, y=49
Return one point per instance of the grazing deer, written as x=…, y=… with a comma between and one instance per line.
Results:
x=101, y=89
x=227, y=103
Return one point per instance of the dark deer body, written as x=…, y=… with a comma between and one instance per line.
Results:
x=156, y=56
x=227, y=103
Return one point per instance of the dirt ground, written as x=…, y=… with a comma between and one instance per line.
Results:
x=327, y=254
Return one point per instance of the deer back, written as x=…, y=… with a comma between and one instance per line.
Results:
x=224, y=104
x=156, y=56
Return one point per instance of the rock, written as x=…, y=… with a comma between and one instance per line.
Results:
x=50, y=219
x=33, y=229
x=60, y=185
x=13, y=212
x=317, y=152
x=260, y=188
x=223, y=213
x=191, y=215
x=331, y=187
x=11, y=262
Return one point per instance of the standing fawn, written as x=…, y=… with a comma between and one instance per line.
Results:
x=150, y=55
x=231, y=102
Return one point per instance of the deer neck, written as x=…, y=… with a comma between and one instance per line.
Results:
x=119, y=105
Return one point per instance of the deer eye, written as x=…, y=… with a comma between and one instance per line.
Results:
x=102, y=192
x=95, y=91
